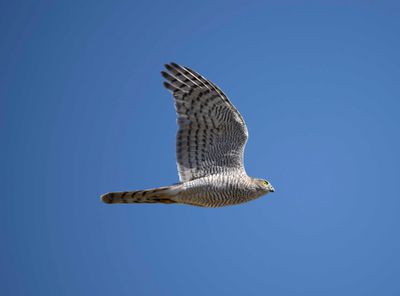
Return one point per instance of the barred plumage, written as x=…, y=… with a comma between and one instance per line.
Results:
x=209, y=148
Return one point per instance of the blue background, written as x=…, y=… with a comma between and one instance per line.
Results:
x=83, y=112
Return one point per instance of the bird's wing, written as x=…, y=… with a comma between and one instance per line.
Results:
x=212, y=133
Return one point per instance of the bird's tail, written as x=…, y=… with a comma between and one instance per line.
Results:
x=166, y=195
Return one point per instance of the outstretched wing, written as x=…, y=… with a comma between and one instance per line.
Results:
x=212, y=133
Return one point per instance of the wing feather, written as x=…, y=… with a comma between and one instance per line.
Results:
x=212, y=133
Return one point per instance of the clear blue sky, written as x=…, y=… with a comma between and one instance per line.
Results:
x=83, y=112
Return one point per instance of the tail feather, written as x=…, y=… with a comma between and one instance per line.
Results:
x=166, y=195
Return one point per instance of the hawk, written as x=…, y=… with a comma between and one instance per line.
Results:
x=209, y=149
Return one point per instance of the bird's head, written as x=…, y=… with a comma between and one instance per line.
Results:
x=264, y=186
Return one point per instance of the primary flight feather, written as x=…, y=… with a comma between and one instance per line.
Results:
x=209, y=149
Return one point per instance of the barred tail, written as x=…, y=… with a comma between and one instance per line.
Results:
x=164, y=195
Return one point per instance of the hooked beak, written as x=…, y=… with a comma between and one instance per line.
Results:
x=272, y=189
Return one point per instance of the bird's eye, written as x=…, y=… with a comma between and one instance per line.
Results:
x=266, y=182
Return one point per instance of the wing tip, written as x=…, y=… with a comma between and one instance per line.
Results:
x=164, y=74
x=169, y=86
x=169, y=67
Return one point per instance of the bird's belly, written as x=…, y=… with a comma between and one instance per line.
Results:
x=217, y=194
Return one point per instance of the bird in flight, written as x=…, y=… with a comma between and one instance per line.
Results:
x=209, y=149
